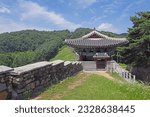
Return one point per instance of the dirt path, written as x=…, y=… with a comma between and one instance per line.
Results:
x=72, y=85
x=80, y=79
x=102, y=73
x=78, y=82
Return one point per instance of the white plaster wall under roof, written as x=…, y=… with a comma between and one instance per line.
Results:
x=94, y=32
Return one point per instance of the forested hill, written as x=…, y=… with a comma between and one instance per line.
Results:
x=83, y=31
x=23, y=47
x=28, y=46
x=30, y=40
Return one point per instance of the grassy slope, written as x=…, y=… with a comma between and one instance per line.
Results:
x=97, y=87
x=93, y=86
x=65, y=53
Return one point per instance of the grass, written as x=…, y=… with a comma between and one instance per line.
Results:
x=117, y=77
x=65, y=53
x=96, y=87
x=61, y=88
x=124, y=66
x=87, y=86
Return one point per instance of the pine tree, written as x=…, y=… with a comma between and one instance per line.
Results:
x=137, y=52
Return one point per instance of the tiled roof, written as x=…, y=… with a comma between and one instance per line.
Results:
x=99, y=41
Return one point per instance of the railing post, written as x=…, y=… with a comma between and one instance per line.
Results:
x=114, y=66
x=134, y=78
x=126, y=75
x=121, y=73
x=130, y=76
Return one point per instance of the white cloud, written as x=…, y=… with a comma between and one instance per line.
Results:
x=8, y=25
x=34, y=11
x=4, y=10
x=85, y=3
x=107, y=27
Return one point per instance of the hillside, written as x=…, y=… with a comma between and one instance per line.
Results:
x=23, y=47
x=65, y=53
x=83, y=31
x=29, y=46
x=93, y=86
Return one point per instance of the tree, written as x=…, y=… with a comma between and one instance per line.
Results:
x=137, y=53
x=29, y=46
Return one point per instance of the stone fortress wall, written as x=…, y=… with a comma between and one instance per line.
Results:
x=30, y=80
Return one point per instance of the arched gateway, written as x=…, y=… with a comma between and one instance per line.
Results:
x=95, y=46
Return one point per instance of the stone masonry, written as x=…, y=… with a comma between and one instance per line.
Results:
x=5, y=82
x=30, y=80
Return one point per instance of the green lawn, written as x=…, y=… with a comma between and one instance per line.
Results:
x=65, y=53
x=96, y=87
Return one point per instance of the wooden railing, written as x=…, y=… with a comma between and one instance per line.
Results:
x=113, y=66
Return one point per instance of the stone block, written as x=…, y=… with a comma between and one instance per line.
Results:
x=30, y=67
x=35, y=77
x=5, y=69
x=14, y=95
x=33, y=85
x=3, y=95
x=2, y=86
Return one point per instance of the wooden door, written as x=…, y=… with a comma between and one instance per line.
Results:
x=100, y=64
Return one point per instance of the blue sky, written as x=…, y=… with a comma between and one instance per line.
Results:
x=106, y=15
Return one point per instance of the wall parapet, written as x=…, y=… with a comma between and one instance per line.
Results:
x=30, y=80
x=29, y=67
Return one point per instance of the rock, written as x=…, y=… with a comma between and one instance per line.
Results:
x=14, y=95
x=3, y=95
x=2, y=86
x=33, y=85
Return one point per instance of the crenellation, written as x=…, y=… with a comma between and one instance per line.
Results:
x=57, y=62
x=30, y=67
x=4, y=70
x=30, y=80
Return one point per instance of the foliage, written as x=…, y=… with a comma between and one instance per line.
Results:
x=6, y=59
x=124, y=66
x=110, y=34
x=138, y=50
x=22, y=58
x=79, y=32
x=23, y=47
x=65, y=53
